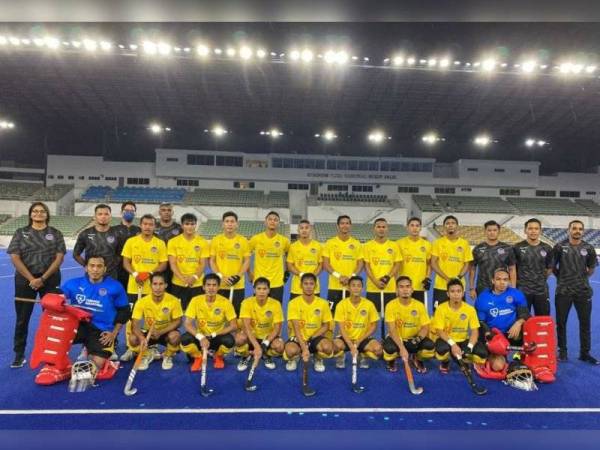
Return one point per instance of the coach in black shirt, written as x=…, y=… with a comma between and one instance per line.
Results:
x=573, y=262
x=124, y=231
x=100, y=240
x=534, y=262
x=166, y=227
x=37, y=251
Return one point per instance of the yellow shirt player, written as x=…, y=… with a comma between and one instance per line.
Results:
x=261, y=318
x=210, y=321
x=356, y=318
x=416, y=258
x=143, y=255
x=309, y=318
x=270, y=248
x=408, y=324
x=305, y=256
x=161, y=312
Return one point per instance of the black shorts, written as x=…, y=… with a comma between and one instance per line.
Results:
x=226, y=340
x=419, y=295
x=312, y=343
x=277, y=293
x=375, y=298
x=251, y=347
x=185, y=294
x=89, y=335
x=361, y=346
x=334, y=296
x=236, y=299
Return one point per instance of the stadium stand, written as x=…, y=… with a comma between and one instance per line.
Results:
x=560, y=234
x=454, y=203
x=278, y=199
x=427, y=203
x=69, y=225
x=224, y=197
x=361, y=231
x=475, y=234
x=148, y=194
x=4, y=217
x=52, y=193
x=246, y=228
x=96, y=194
x=590, y=205
x=550, y=206
x=352, y=198
x=18, y=190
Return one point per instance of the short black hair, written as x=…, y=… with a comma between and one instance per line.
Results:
x=308, y=275
x=262, y=280
x=304, y=221
x=342, y=217
x=379, y=219
x=414, y=219
x=211, y=276
x=189, y=217
x=128, y=202
x=149, y=217
x=451, y=217
x=501, y=269
x=491, y=223
x=533, y=220
x=454, y=282
x=94, y=256
x=576, y=221
x=273, y=213
x=403, y=278
x=160, y=275
x=102, y=206
x=227, y=214
x=355, y=278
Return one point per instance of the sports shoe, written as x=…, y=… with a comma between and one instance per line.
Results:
x=589, y=359
x=340, y=361
x=145, y=363
x=218, y=362
x=363, y=363
x=269, y=363
x=391, y=366
x=18, y=362
x=562, y=355
x=196, y=364
x=291, y=365
x=114, y=357
x=243, y=363
x=83, y=354
x=155, y=352
x=167, y=363
x=445, y=367
x=319, y=365
x=418, y=365
x=127, y=356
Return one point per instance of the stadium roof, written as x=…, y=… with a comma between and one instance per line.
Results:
x=82, y=103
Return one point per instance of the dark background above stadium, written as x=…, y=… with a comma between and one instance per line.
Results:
x=102, y=104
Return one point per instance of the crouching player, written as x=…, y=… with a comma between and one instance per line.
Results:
x=357, y=320
x=209, y=322
x=162, y=310
x=408, y=329
x=310, y=319
x=261, y=318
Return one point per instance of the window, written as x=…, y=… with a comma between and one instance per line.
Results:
x=172, y=159
x=82, y=177
x=51, y=177
x=93, y=178
x=230, y=161
x=408, y=189
x=61, y=177
x=186, y=182
x=201, y=160
x=472, y=169
x=525, y=170
x=362, y=188
x=590, y=193
x=499, y=170
x=510, y=192
x=110, y=178
x=465, y=189
x=70, y=177
x=243, y=184
x=337, y=187
x=143, y=181
x=545, y=193
x=570, y=194
x=297, y=187
x=444, y=190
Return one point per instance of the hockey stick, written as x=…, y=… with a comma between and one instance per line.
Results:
x=250, y=386
x=464, y=368
x=426, y=301
x=355, y=386
x=411, y=381
x=231, y=294
x=129, y=390
x=204, y=391
x=382, y=312
x=306, y=389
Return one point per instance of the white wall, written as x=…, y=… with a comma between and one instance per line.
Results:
x=359, y=214
x=17, y=208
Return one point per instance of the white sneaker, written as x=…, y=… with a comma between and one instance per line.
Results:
x=127, y=356
x=319, y=365
x=145, y=363
x=291, y=365
x=156, y=354
x=269, y=363
x=364, y=363
x=114, y=357
x=340, y=361
x=243, y=363
x=167, y=363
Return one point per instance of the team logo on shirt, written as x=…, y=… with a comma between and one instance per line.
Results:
x=197, y=248
x=509, y=299
x=351, y=246
x=494, y=312
x=317, y=312
x=175, y=232
x=583, y=252
x=463, y=317
x=313, y=250
x=165, y=311
x=268, y=313
x=390, y=251
x=49, y=237
x=423, y=249
x=102, y=292
x=543, y=253
x=459, y=249
x=110, y=239
x=501, y=251
x=236, y=245
x=153, y=249
x=217, y=311
x=277, y=244
x=414, y=313
x=363, y=312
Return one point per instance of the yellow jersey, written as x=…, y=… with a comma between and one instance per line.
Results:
x=455, y=322
x=188, y=253
x=406, y=319
x=343, y=256
x=145, y=256
x=452, y=255
x=268, y=257
x=306, y=258
x=210, y=317
x=355, y=319
x=415, y=256
x=229, y=255
x=161, y=313
x=311, y=316
x=381, y=259
x=263, y=318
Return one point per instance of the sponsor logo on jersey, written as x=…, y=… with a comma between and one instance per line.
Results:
x=459, y=249
x=49, y=237
x=262, y=253
x=494, y=312
x=137, y=258
x=80, y=298
x=375, y=261
x=509, y=299
x=102, y=291
x=110, y=239
x=463, y=317
x=423, y=249
x=337, y=255
x=180, y=258
x=153, y=249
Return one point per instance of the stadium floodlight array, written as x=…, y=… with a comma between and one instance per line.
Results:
x=432, y=138
x=530, y=142
x=327, y=135
x=483, y=140
x=273, y=133
x=6, y=125
x=377, y=137
x=156, y=128
x=217, y=130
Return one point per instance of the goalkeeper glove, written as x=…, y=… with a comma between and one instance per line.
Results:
x=264, y=345
x=427, y=283
x=142, y=276
x=385, y=279
x=286, y=276
x=233, y=280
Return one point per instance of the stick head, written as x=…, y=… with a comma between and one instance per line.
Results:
x=358, y=389
x=308, y=391
x=130, y=392
x=479, y=390
x=206, y=392
x=249, y=387
x=416, y=390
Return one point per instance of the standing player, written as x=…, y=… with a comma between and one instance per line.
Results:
x=309, y=318
x=37, y=251
x=356, y=318
x=450, y=258
x=416, y=259
x=124, y=231
x=187, y=253
x=261, y=317
x=573, y=262
x=408, y=329
x=210, y=322
x=166, y=227
x=305, y=256
x=163, y=311
x=342, y=258
x=230, y=260
x=269, y=248
x=382, y=262
x=487, y=257
x=534, y=259
x=100, y=239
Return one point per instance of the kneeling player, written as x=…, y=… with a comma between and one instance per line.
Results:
x=457, y=327
x=408, y=329
x=310, y=319
x=162, y=310
x=209, y=322
x=357, y=320
x=261, y=317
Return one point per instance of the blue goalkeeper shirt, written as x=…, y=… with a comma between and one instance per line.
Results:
x=499, y=310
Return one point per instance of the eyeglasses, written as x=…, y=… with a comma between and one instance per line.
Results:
x=38, y=211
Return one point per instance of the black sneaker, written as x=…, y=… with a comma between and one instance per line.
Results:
x=589, y=359
x=562, y=355
x=18, y=362
x=445, y=367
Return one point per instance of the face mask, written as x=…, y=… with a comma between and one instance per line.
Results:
x=128, y=216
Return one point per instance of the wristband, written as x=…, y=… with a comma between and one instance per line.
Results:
x=195, y=277
x=220, y=275
x=43, y=278
x=134, y=274
x=199, y=336
x=265, y=342
x=451, y=342
x=336, y=274
x=212, y=335
x=470, y=346
x=301, y=274
x=353, y=275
